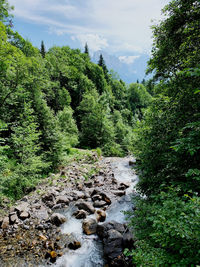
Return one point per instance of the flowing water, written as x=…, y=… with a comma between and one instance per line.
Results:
x=90, y=254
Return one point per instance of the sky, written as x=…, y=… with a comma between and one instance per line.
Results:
x=119, y=27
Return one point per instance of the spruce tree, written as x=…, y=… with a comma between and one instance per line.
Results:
x=43, y=50
x=102, y=64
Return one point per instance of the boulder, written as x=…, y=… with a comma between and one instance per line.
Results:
x=22, y=207
x=49, y=197
x=42, y=214
x=80, y=214
x=62, y=200
x=89, y=226
x=58, y=219
x=113, y=244
x=24, y=215
x=99, y=204
x=13, y=218
x=101, y=215
x=102, y=229
x=83, y=205
x=78, y=194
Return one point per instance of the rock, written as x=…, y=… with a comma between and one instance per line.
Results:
x=42, y=214
x=113, y=245
x=99, y=204
x=57, y=207
x=123, y=186
x=101, y=215
x=78, y=194
x=80, y=214
x=74, y=245
x=26, y=227
x=96, y=197
x=106, y=198
x=99, y=180
x=58, y=219
x=119, y=193
x=88, y=184
x=62, y=200
x=5, y=223
x=24, y=215
x=80, y=186
x=14, y=218
x=89, y=226
x=131, y=163
x=49, y=197
x=128, y=240
x=83, y=205
x=102, y=229
x=22, y=207
x=95, y=191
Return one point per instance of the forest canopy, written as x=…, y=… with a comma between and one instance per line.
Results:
x=51, y=101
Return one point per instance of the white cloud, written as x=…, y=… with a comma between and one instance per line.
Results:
x=124, y=25
x=128, y=59
x=94, y=41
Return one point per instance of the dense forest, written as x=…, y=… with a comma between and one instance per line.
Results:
x=52, y=101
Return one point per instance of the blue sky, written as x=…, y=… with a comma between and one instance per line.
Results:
x=120, y=27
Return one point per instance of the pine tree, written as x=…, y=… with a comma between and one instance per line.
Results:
x=43, y=50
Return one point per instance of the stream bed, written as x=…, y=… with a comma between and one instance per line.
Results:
x=90, y=254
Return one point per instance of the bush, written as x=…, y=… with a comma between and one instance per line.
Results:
x=168, y=229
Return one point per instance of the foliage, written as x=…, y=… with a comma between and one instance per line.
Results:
x=167, y=227
x=5, y=9
x=51, y=101
x=167, y=146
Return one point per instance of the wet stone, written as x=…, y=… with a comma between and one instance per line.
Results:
x=85, y=206
x=89, y=226
x=99, y=204
x=57, y=219
x=80, y=214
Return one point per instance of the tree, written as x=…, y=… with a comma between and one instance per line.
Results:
x=5, y=9
x=102, y=64
x=43, y=50
x=86, y=51
x=176, y=39
x=167, y=145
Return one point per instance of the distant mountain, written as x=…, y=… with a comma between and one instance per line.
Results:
x=129, y=68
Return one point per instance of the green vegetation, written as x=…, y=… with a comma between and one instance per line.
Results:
x=52, y=101
x=167, y=146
